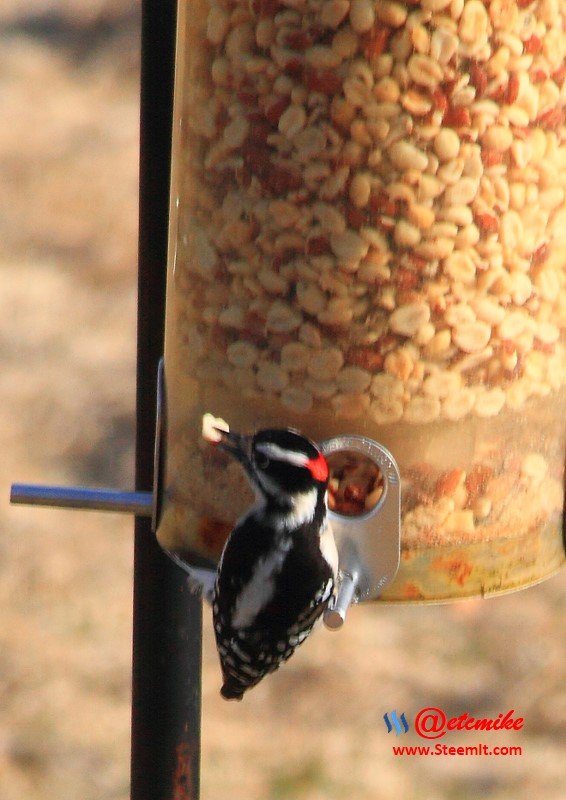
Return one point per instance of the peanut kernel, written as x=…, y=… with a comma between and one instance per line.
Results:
x=446, y=144
x=362, y=15
x=471, y=336
x=407, y=319
x=333, y=13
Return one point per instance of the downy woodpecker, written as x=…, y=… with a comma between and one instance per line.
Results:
x=278, y=569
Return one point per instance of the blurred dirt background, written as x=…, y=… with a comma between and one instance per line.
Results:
x=69, y=74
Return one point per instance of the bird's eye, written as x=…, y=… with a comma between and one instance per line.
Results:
x=262, y=461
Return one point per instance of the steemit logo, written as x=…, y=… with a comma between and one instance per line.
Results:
x=392, y=721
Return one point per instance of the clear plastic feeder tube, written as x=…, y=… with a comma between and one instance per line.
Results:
x=368, y=236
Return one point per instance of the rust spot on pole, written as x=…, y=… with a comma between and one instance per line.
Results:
x=183, y=778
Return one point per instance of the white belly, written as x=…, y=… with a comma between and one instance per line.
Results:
x=328, y=548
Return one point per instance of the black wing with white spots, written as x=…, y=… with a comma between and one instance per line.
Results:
x=269, y=594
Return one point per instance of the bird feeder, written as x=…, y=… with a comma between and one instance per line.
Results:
x=367, y=240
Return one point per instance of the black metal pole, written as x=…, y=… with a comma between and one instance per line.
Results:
x=167, y=634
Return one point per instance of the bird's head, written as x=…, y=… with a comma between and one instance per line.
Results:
x=280, y=462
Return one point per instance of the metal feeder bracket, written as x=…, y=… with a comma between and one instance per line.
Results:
x=141, y=504
x=368, y=544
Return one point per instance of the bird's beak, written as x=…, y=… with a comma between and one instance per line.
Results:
x=236, y=444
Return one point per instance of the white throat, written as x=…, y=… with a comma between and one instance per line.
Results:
x=302, y=511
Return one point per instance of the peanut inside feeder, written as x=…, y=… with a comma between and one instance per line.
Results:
x=356, y=483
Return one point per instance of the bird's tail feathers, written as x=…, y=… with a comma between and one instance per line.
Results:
x=231, y=690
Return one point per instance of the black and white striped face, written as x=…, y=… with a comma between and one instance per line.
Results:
x=284, y=461
x=279, y=461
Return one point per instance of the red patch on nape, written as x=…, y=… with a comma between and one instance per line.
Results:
x=318, y=468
